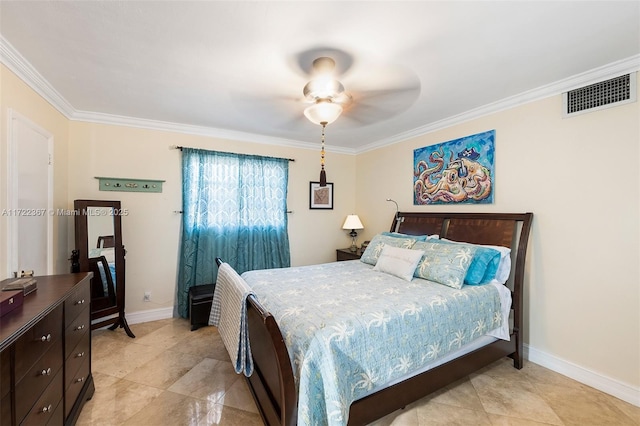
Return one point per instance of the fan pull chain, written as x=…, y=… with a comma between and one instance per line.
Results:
x=323, y=175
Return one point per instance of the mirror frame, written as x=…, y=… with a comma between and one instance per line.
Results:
x=100, y=310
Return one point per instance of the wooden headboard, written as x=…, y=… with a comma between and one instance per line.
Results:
x=501, y=229
x=479, y=228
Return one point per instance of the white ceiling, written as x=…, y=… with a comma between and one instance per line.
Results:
x=238, y=67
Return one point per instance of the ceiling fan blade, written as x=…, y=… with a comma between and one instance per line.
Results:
x=387, y=95
x=372, y=106
x=365, y=114
x=276, y=112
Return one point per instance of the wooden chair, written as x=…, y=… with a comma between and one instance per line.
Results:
x=102, y=285
x=105, y=241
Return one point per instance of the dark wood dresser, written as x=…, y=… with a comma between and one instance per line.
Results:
x=45, y=353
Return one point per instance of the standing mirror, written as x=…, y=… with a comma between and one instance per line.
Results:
x=99, y=249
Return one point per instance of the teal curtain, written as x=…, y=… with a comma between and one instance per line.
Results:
x=234, y=207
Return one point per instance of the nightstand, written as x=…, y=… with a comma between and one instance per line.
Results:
x=347, y=254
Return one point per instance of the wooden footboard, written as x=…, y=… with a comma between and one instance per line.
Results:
x=273, y=385
x=275, y=394
x=390, y=399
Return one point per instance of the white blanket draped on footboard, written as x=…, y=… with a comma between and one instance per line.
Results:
x=229, y=314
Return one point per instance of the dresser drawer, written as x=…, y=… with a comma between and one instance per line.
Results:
x=41, y=374
x=46, y=407
x=5, y=387
x=76, y=384
x=5, y=410
x=76, y=331
x=76, y=302
x=75, y=360
x=57, y=418
x=37, y=340
x=5, y=373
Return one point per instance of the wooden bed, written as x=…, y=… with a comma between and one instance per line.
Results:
x=272, y=383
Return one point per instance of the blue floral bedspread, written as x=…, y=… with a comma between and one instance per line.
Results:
x=350, y=329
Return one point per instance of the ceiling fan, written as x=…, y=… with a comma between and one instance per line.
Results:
x=325, y=93
x=328, y=99
x=360, y=91
x=374, y=90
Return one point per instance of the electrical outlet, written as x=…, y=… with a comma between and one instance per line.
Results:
x=147, y=296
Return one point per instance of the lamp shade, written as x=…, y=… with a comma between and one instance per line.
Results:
x=352, y=222
x=323, y=111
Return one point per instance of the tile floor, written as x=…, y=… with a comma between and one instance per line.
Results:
x=169, y=375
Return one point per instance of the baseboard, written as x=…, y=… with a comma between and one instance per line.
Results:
x=596, y=380
x=149, y=315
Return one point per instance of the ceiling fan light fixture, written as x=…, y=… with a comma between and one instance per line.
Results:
x=323, y=112
x=322, y=88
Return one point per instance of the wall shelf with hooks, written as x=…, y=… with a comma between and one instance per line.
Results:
x=129, y=185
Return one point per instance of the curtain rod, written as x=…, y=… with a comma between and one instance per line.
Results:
x=180, y=211
x=227, y=152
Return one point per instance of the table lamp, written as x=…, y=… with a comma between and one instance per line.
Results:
x=353, y=222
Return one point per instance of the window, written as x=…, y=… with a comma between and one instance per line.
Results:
x=235, y=208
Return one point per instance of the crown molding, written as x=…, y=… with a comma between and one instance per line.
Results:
x=614, y=69
x=142, y=123
x=13, y=60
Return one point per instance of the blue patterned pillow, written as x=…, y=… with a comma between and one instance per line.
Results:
x=372, y=253
x=484, y=265
x=444, y=263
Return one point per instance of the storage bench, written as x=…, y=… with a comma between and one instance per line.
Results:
x=200, y=298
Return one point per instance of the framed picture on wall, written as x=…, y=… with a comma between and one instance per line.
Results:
x=320, y=197
x=460, y=171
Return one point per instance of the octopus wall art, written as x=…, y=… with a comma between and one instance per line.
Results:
x=457, y=171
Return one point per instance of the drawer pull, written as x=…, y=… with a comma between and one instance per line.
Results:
x=80, y=327
x=80, y=380
x=46, y=408
x=79, y=302
x=46, y=372
x=80, y=355
x=46, y=338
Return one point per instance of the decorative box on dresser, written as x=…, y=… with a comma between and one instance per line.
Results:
x=45, y=353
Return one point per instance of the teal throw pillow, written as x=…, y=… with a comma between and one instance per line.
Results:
x=399, y=235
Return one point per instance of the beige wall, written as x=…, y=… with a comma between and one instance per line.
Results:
x=151, y=230
x=579, y=176
x=15, y=94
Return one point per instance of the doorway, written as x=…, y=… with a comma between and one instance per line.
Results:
x=29, y=197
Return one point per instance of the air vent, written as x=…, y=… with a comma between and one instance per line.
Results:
x=605, y=94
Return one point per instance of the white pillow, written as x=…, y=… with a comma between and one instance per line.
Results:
x=399, y=262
